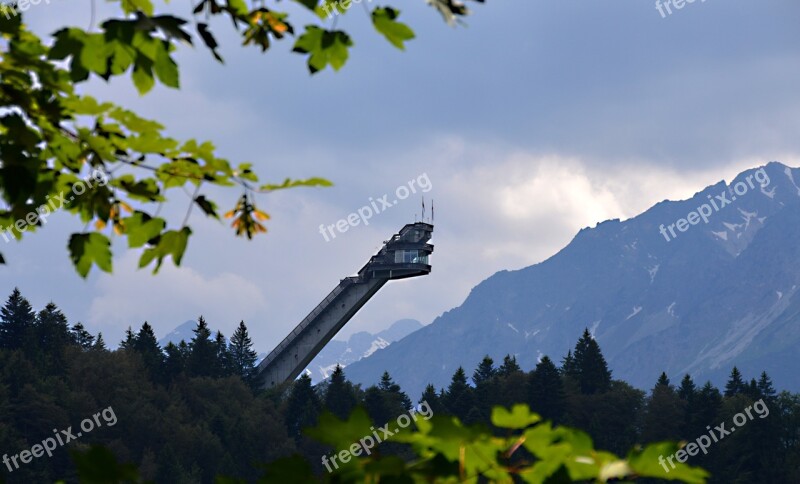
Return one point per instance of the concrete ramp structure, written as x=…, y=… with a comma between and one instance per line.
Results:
x=404, y=255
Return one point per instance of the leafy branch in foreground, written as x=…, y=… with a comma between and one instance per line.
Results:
x=52, y=137
x=530, y=450
x=445, y=450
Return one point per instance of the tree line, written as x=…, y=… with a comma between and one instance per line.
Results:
x=191, y=411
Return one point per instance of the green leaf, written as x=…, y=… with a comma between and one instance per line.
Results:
x=209, y=40
x=207, y=206
x=90, y=248
x=309, y=4
x=341, y=434
x=519, y=417
x=130, y=6
x=289, y=183
x=325, y=47
x=145, y=190
x=647, y=463
x=95, y=53
x=238, y=6
x=171, y=27
x=143, y=75
x=141, y=228
x=395, y=32
x=166, y=68
x=172, y=243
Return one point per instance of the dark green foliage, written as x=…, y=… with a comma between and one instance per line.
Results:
x=174, y=361
x=81, y=337
x=128, y=342
x=509, y=366
x=340, y=396
x=223, y=360
x=688, y=389
x=394, y=393
x=765, y=388
x=590, y=366
x=242, y=356
x=302, y=407
x=459, y=398
x=736, y=384
x=433, y=399
x=99, y=343
x=486, y=383
x=568, y=366
x=385, y=401
x=52, y=336
x=546, y=391
x=182, y=425
x=202, y=360
x=16, y=322
x=146, y=346
x=664, y=414
x=484, y=372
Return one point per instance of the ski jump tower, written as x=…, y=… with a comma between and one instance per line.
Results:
x=404, y=255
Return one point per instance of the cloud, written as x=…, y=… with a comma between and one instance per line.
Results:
x=131, y=296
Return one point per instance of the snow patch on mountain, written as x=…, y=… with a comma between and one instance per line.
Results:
x=788, y=172
x=636, y=310
x=653, y=271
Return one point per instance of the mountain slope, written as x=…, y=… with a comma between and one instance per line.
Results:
x=359, y=345
x=718, y=294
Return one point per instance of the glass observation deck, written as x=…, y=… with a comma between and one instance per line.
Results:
x=406, y=254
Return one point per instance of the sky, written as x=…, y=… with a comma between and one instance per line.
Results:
x=534, y=120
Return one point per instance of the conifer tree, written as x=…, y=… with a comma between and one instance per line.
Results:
x=592, y=369
x=202, y=360
x=376, y=405
x=81, y=337
x=146, y=345
x=546, y=390
x=433, y=399
x=736, y=384
x=751, y=389
x=568, y=367
x=509, y=366
x=664, y=413
x=458, y=400
x=687, y=389
x=223, y=363
x=486, y=389
x=52, y=329
x=687, y=392
x=340, y=397
x=396, y=395
x=129, y=341
x=242, y=356
x=16, y=322
x=174, y=361
x=708, y=403
x=484, y=372
x=302, y=406
x=99, y=343
x=765, y=388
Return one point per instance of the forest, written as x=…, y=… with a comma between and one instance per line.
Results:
x=193, y=411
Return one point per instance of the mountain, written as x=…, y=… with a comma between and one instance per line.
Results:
x=359, y=345
x=699, y=296
x=183, y=332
